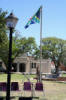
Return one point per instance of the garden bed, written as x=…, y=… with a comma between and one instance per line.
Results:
x=55, y=79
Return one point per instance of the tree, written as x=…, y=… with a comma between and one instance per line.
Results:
x=2, y=26
x=3, y=37
x=64, y=55
x=23, y=45
x=36, y=53
x=53, y=48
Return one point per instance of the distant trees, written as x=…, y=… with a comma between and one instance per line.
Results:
x=54, y=48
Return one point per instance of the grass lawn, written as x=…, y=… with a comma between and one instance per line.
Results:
x=15, y=77
x=53, y=90
x=63, y=75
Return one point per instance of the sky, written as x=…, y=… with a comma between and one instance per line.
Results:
x=53, y=17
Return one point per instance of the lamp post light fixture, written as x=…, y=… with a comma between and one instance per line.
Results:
x=11, y=22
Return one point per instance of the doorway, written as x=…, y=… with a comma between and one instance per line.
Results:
x=22, y=67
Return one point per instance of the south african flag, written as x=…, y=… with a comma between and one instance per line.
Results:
x=34, y=19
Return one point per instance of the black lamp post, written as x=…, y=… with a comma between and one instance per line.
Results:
x=11, y=22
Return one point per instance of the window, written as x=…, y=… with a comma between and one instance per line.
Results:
x=33, y=65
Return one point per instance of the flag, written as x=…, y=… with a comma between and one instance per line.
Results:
x=34, y=19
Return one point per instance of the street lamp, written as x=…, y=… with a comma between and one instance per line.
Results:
x=11, y=22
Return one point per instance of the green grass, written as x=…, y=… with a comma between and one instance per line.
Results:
x=15, y=77
x=63, y=75
x=3, y=77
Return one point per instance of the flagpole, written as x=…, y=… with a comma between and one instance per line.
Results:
x=40, y=43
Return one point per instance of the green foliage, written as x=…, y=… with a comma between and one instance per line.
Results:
x=37, y=53
x=23, y=45
x=3, y=37
x=2, y=26
x=53, y=48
